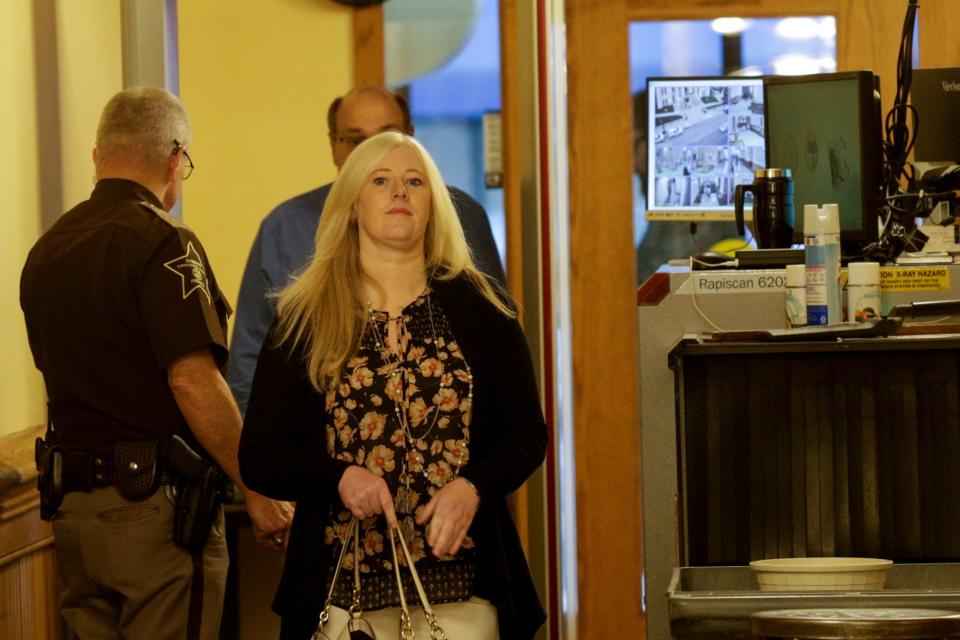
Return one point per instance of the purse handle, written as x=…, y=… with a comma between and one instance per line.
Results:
x=354, y=530
x=406, y=628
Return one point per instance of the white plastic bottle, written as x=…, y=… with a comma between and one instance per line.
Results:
x=821, y=234
x=796, y=295
x=863, y=291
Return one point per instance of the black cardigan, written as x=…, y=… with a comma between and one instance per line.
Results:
x=283, y=455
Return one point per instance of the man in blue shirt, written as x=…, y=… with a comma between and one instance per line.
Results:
x=285, y=240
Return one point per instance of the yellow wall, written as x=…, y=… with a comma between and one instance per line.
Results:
x=91, y=70
x=86, y=72
x=257, y=78
x=21, y=391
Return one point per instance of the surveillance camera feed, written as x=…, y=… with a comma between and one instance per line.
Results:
x=707, y=136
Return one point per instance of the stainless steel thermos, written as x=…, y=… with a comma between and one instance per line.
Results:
x=773, y=217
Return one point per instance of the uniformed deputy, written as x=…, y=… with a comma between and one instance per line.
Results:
x=127, y=324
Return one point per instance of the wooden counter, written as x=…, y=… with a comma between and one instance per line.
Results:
x=28, y=574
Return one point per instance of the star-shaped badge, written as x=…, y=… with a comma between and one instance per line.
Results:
x=193, y=275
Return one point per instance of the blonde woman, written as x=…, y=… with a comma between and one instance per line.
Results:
x=396, y=387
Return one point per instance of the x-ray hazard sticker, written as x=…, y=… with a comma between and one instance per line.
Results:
x=927, y=278
x=192, y=273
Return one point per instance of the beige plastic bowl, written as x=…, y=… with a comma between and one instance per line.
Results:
x=821, y=574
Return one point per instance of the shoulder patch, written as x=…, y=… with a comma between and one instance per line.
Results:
x=193, y=275
x=163, y=215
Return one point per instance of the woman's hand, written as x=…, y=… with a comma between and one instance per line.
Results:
x=366, y=494
x=450, y=512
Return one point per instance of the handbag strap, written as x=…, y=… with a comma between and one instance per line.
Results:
x=355, y=608
x=406, y=627
x=354, y=530
x=436, y=633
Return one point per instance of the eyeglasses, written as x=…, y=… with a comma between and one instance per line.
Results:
x=351, y=141
x=355, y=140
x=188, y=167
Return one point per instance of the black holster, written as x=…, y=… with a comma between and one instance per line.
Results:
x=49, y=460
x=200, y=489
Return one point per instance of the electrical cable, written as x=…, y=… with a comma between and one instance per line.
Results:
x=693, y=299
x=934, y=321
x=899, y=128
x=899, y=135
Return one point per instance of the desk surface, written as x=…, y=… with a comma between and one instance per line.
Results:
x=692, y=345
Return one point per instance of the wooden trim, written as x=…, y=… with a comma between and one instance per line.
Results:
x=710, y=9
x=368, y=57
x=510, y=140
x=510, y=135
x=25, y=551
x=882, y=20
x=603, y=288
x=18, y=501
x=21, y=528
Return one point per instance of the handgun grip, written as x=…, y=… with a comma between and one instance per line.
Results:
x=183, y=460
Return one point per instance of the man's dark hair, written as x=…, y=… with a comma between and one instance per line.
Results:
x=400, y=100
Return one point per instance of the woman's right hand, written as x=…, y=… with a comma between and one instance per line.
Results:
x=366, y=494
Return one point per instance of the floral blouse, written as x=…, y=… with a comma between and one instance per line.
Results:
x=404, y=414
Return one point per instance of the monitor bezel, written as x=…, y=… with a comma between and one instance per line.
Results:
x=697, y=213
x=871, y=152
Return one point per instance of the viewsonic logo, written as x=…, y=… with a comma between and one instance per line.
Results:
x=950, y=85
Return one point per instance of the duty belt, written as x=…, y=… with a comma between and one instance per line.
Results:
x=136, y=469
x=84, y=471
x=133, y=469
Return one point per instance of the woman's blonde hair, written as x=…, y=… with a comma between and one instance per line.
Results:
x=323, y=310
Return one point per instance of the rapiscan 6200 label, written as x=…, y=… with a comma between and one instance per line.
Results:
x=739, y=281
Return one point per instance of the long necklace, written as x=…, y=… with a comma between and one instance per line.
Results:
x=413, y=445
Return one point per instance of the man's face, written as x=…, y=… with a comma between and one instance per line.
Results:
x=362, y=115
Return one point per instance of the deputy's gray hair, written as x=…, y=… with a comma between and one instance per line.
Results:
x=140, y=125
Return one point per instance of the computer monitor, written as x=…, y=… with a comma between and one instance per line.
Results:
x=935, y=94
x=705, y=135
x=826, y=128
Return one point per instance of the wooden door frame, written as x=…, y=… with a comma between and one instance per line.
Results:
x=603, y=290
x=883, y=21
x=368, y=56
